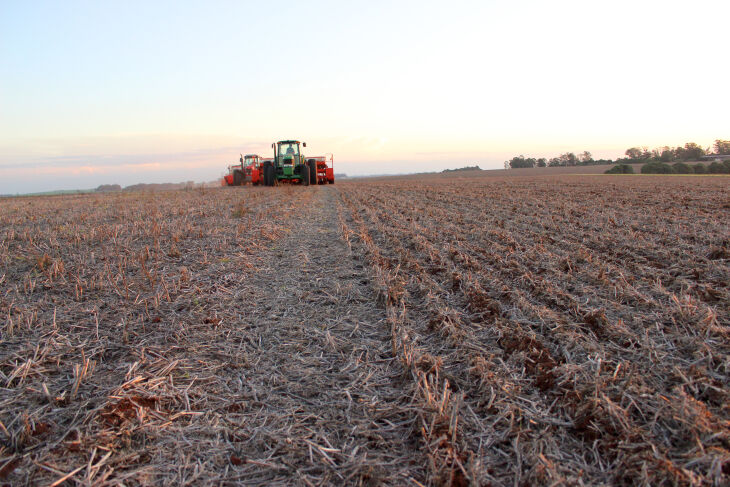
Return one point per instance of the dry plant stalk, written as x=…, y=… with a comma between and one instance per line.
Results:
x=406, y=331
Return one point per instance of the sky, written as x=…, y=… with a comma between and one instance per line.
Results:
x=152, y=91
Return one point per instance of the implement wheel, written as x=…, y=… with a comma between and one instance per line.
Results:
x=304, y=172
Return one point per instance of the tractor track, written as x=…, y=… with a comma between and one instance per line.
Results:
x=324, y=399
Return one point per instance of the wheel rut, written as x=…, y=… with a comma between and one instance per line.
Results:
x=323, y=399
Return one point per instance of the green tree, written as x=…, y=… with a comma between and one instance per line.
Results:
x=722, y=147
x=586, y=158
x=682, y=168
x=639, y=153
x=569, y=159
x=665, y=154
x=556, y=162
x=520, y=161
x=542, y=162
x=699, y=169
x=620, y=169
x=716, y=168
x=690, y=152
x=656, y=168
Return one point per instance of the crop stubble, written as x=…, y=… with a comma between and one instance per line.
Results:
x=435, y=330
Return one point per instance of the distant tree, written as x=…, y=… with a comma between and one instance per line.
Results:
x=465, y=168
x=690, y=152
x=542, y=162
x=106, y=188
x=521, y=162
x=682, y=168
x=586, y=158
x=722, y=147
x=716, y=167
x=666, y=154
x=556, y=162
x=569, y=159
x=639, y=154
x=620, y=169
x=656, y=168
x=699, y=169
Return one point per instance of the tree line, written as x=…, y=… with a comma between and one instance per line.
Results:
x=654, y=167
x=635, y=155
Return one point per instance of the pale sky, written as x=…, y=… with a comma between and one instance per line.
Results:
x=125, y=92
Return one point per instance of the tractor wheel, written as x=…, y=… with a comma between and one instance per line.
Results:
x=304, y=172
x=331, y=181
x=313, y=172
x=268, y=174
x=237, y=178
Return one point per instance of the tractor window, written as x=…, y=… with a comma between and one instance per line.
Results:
x=247, y=161
x=289, y=149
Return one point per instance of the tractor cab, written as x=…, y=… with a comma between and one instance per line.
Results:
x=250, y=160
x=251, y=166
x=289, y=154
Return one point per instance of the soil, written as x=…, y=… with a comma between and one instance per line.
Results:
x=464, y=330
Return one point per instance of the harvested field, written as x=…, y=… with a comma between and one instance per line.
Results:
x=418, y=331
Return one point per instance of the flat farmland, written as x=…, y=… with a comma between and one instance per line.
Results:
x=482, y=330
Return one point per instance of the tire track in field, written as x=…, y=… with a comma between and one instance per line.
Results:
x=322, y=399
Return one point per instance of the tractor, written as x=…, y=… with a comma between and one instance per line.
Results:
x=249, y=170
x=288, y=164
x=252, y=169
x=319, y=173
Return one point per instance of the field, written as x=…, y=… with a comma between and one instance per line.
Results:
x=552, y=330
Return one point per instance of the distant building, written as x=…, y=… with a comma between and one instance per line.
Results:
x=717, y=157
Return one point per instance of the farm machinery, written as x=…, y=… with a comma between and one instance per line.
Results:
x=289, y=165
x=319, y=172
x=234, y=176
x=249, y=170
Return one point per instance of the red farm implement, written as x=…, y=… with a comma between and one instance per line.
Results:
x=320, y=172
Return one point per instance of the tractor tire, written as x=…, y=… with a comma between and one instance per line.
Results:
x=237, y=178
x=331, y=181
x=304, y=172
x=268, y=174
x=313, y=172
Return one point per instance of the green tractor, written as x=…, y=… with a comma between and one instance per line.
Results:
x=288, y=165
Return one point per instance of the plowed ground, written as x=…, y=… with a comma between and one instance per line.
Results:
x=444, y=331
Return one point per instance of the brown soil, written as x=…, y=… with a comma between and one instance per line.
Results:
x=409, y=331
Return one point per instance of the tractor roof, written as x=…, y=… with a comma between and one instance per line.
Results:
x=288, y=142
x=251, y=155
